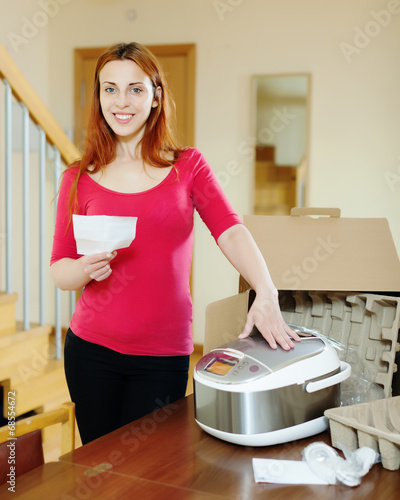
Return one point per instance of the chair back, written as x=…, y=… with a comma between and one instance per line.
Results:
x=21, y=446
x=23, y=453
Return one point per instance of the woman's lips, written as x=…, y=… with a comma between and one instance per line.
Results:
x=122, y=118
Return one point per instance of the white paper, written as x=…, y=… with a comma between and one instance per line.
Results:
x=284, y=472
x=102, y=233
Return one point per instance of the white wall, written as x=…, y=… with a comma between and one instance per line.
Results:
x=355, y=103
x=27, y=43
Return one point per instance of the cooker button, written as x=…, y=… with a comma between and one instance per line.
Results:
x=254, y=368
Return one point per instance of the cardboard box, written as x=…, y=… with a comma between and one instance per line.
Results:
x=340, y=276
x=374, y=423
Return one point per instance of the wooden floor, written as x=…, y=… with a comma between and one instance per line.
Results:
x=51, y=447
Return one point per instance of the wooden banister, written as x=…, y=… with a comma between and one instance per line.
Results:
x=39, y=113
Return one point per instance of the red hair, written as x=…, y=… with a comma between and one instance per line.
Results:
x=158, y=143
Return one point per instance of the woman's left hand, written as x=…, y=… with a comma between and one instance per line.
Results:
x=266, y=315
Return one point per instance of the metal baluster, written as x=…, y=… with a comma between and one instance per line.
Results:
x=8, y=185
x=72, y=302
x=26, y=218
x=58, y=330
x=42, y=226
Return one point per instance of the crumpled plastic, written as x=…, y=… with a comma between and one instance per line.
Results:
x=360, y=386
x=326, y=463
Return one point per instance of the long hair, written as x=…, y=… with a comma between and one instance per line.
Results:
x=158, y=143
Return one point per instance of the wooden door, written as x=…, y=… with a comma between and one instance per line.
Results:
x=178, y=64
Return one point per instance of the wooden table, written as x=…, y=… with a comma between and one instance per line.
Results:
x=166, y=456
x=64, y=481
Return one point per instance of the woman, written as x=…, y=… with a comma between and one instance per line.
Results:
x=128, y=346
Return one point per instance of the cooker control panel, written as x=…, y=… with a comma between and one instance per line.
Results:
x=226, y=368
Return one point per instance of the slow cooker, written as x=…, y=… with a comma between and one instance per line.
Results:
x=249, y=394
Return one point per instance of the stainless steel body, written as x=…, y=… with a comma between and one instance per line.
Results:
x=261, y=411
x=247, y=388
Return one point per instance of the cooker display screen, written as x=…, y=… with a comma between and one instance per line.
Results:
x=220, y=367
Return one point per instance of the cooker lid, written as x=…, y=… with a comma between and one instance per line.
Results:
x=245, y=360
x=257, y=348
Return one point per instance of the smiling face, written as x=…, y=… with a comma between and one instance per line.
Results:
x=126, y=98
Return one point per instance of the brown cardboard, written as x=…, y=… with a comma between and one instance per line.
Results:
x=375, y=424
x=366, y=323
x=327, y=253
x=225, y=320
x=325, y=269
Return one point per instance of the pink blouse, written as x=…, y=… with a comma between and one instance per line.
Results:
x=145, y=307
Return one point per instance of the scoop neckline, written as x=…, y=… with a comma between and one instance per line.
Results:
x=137, y=192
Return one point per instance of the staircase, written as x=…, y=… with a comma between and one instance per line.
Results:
x=30, y=372
x=33, y=313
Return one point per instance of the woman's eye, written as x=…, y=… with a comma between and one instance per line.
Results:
x=136, y=90
x=109, y=90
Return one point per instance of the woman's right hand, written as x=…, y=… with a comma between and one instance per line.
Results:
x=98, y=266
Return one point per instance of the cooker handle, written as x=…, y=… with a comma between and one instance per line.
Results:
x=299, y=211
x=345, y=372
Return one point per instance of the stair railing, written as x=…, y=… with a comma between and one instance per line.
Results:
x=36, y=149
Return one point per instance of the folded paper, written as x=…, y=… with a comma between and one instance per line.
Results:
x=102, y=233
x=284, y=472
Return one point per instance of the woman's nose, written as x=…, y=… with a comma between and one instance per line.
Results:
x=122, y=100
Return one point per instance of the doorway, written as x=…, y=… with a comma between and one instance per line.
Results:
x=178, y=63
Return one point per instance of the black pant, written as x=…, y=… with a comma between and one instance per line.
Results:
x=111, y=389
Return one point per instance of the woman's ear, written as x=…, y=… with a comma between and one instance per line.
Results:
x=157, y=97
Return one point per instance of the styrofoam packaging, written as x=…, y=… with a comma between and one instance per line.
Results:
x=375, y=424
x=366, y=324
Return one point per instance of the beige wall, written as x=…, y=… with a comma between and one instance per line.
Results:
x=355, y=102
x=26, y=43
